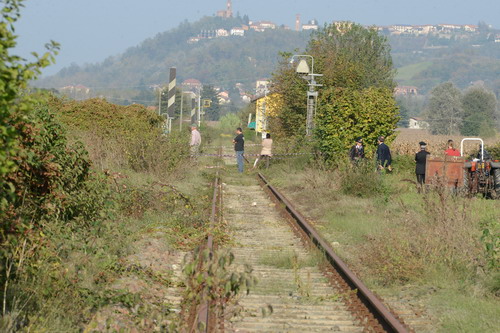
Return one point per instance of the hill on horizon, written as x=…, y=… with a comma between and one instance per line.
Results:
x=422, y=61
x=222, y=61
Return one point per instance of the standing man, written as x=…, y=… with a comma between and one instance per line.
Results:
x=239, y=148
x=357, y=151
x=421, y=161
x=195, y=141
x=384, y=158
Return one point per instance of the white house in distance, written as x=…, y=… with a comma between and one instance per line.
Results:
x=417, y=123
x=237, y=32
x=311, y=25
x=222, y=33
x=406, y=90
x=223, y=97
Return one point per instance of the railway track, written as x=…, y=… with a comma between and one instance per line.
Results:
x=302, y=285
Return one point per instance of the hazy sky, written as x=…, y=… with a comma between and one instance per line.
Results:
x=91, y=30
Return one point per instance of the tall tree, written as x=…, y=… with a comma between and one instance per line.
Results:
x=479, y=106
x=444, y=111
x=357, y=94
x=208, y=93
x=404, y=114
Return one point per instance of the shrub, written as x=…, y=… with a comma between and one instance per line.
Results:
x=123, y=137
x=361, y=180
x=229, y=122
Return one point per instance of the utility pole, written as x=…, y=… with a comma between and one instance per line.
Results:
x=312, y=94
x=199, y=106
x=182, y=103
x=159, y=100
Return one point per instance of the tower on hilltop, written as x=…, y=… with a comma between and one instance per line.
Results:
x=229, y=10
x=297, y=22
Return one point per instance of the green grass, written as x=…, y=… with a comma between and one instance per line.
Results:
x=406, y=73
x=463, y=312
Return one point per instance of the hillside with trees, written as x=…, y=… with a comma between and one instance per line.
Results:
x=222, y=61
x=424, y=61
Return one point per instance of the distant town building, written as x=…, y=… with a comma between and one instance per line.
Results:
x=470, y=27
x=77, y=92
x=406, y=90
x=223, y=97
x=237, y=32
x=297, y=22
x=191, y=84
x=261, y=86
x=222, y=33
x=228, y=12
x=312, y=25
x=262, y=26
x=247, y=98
x=193, y=40
x=450, y=26
x=417, y=123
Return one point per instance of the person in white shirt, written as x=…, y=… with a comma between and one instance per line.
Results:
x=266, y=152
x=195, y=141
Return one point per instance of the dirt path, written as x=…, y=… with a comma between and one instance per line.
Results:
x=289, y=280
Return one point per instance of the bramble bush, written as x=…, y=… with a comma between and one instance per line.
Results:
x=123, y=137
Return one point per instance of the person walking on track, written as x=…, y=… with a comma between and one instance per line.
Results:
x=195, y=141
x=239, y=148
x=384, y=157
x=266, y=152
x=420, y=163
x=357, y=151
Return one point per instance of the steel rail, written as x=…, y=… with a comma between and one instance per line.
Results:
x=386, y=319
x=204, y=308
x=203, y=315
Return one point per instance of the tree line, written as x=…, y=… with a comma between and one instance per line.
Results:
x=448, y=110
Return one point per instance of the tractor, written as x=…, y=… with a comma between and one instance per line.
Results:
x=474, y=175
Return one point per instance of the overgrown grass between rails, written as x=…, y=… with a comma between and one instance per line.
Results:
x=291, y=260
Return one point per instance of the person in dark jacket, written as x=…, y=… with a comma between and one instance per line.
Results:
x=239, y=148
x=357, y=151
x=420, y=161
x=384, y=158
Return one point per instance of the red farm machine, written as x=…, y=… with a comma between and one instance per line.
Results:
x=474, y=175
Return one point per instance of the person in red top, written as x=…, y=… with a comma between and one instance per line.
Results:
x=451, y=151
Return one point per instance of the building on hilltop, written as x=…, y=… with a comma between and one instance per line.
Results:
x=262, y=26
x=223, y=97
x=77, y=92
x=228, y=12
x=237, y=32
x=405, y=90
x=222, y=33
x=311, y=25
